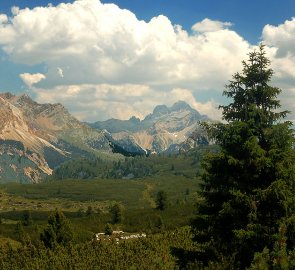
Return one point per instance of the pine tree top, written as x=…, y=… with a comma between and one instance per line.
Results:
x=253, y=98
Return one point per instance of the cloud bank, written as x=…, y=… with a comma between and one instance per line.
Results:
x=281, y=42
x=113, y=101
x=103, y=62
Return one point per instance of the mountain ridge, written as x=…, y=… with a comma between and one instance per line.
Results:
x=158, y=112
x=35, y=138
x=164, y=127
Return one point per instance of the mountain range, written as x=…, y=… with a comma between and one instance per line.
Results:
x=36, y=138
x=166, y=129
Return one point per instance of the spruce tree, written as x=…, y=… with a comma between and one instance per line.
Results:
x=57, y=232
x=248, y=187
x=161, y=200
x=27, y=218
x=117, y=212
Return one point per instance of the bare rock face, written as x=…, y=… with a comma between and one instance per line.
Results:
x=164, y=130
x=23, y=165
x=35, y=138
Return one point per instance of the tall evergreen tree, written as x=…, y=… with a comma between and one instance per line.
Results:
x=27, y=218
x=161, y=200
x=117, y=212
x=248, y=187
x=57, y=232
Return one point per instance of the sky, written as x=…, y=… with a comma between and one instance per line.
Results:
x=119, y=58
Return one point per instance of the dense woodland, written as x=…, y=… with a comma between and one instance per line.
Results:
x=225, y=206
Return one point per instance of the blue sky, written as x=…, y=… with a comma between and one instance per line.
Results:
x=93, y=56
x=249, y=17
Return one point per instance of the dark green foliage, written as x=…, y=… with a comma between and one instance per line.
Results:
x=280, y=257
x=117, y=212
x=57, y=232
x=82, y=168
x=19, y=232
x=27, y=218
x=159, y=223
x=80, y=212
x=108, y=229
x=74, y=197
x=187, y=164
x=136, y=167
x=151, y=253
x=132, y=193
x=89, y=211
x=248, y=187
x=161, y=200
x=98, y=211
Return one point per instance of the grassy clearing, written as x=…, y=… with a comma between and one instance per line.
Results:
x=175, y=175
x=75, y=196
x=71, y=195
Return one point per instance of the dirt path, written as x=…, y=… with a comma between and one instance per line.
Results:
x=147, y=194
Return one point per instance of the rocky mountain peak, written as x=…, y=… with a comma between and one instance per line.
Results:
x=24, y=100
x=181, y=106
x=164, y=127
x=25, y=97
x=59, y=106
x=134, y=120
x=161, y=109
x=7, y=95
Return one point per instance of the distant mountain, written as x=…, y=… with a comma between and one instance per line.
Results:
x=35, y=138
x=166, y=129
x=116, y=125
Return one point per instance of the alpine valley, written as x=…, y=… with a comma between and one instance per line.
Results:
x=36, y=138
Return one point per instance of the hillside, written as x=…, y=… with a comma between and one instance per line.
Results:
x=35, y=138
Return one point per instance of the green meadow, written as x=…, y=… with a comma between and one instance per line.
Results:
x=87, y=202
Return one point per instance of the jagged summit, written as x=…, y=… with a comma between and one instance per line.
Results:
x=161, y=109
x=164, y=127
x=7, y=95
x=180, y=105
x=25, y=98
x=21, y=99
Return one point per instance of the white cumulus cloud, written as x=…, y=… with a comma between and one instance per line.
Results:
x=101, y=43
x=208, y=25
x=3, y=19
x=282, y=37
x=31, y=79
x=104, y=101
x=97, y=53
x=15, y=10
x=280, y=40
